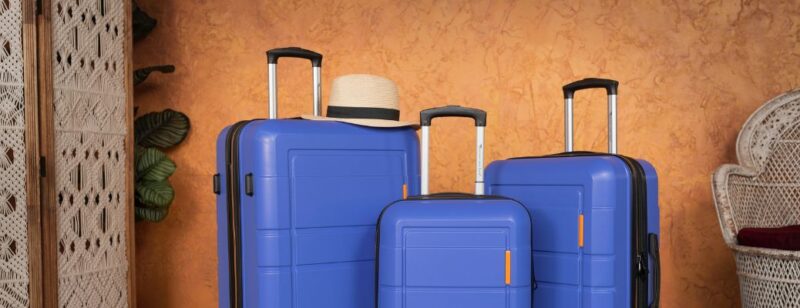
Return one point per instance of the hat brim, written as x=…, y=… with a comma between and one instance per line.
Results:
x=364, y=122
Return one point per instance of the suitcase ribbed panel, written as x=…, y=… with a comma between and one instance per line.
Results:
x=307, y=232
x=557, y=191
x=454, y=253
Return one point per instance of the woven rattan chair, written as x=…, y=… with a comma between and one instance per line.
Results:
x=764, y=191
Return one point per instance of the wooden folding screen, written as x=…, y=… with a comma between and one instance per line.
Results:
x=65, y=154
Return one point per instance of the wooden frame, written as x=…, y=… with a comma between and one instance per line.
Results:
x=32, y=153
x=129, y=146
x=49, y=227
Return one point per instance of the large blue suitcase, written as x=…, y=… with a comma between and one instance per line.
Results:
x=297, y=205
x=595, y=231
x=454, y=250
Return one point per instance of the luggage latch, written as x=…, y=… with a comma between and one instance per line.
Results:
x=217, y=185
x=580, y=230
x=508, y=267
x=248, y=184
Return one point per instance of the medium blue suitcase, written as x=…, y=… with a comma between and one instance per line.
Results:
x=596, y=226
x=297, y=205
x=454, y=250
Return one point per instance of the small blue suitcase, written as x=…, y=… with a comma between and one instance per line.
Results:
x=298, y=201
x=595, y=231
x=454, y=250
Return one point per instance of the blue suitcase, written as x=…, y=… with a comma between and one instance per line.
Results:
x=454, y=250
x=298, y=201
x=595, y=231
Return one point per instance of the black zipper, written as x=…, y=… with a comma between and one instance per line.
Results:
x=640, y=270
x=234, y=214
x=639, y=256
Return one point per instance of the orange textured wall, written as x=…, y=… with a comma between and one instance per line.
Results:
x=691, y=72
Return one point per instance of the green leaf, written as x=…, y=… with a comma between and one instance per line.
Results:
x=142, y=23
x=153, y=165
x=140, y=75
x=151, y=214
x=154, y=194
x=161, y=129
x=137, y=152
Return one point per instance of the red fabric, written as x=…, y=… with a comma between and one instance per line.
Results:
x=785, y=238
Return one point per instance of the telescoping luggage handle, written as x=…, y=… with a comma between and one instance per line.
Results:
x=427, y=115
x=611, y=89
x=591, y=83
x=293, y=52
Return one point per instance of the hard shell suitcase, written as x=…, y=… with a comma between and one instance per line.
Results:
x=596, y=225
x=454, y=250
x=298, y=201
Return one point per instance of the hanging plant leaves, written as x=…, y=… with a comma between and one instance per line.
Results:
x=151, y=214
x=140, y=75
x=153, y=165
x=154, y=194
x=161, y=129
x=137, y=152
x=143, y=23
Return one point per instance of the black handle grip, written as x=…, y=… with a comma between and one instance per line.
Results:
x=654, y=253
x=427, y=115
x=591, y=83
x=294, y=52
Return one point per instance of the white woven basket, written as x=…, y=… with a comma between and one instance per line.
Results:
x=764, y=191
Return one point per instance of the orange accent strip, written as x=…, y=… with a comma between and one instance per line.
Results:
x=405, y=191
x=508, y=267
x=580, y=230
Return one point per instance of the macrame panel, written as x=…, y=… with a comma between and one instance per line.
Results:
x=13, y=199
x=88, y=38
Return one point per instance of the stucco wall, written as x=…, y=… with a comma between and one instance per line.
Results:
x=690, y=72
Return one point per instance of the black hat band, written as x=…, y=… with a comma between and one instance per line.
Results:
x=363, y=113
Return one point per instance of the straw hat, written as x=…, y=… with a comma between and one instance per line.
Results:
x=362, y=99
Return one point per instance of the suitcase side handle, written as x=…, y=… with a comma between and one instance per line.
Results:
x=293, y=52
x=611, y=87
x=654, y=253
x=427, y=116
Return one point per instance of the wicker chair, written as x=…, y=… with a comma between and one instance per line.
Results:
x=764, y=191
